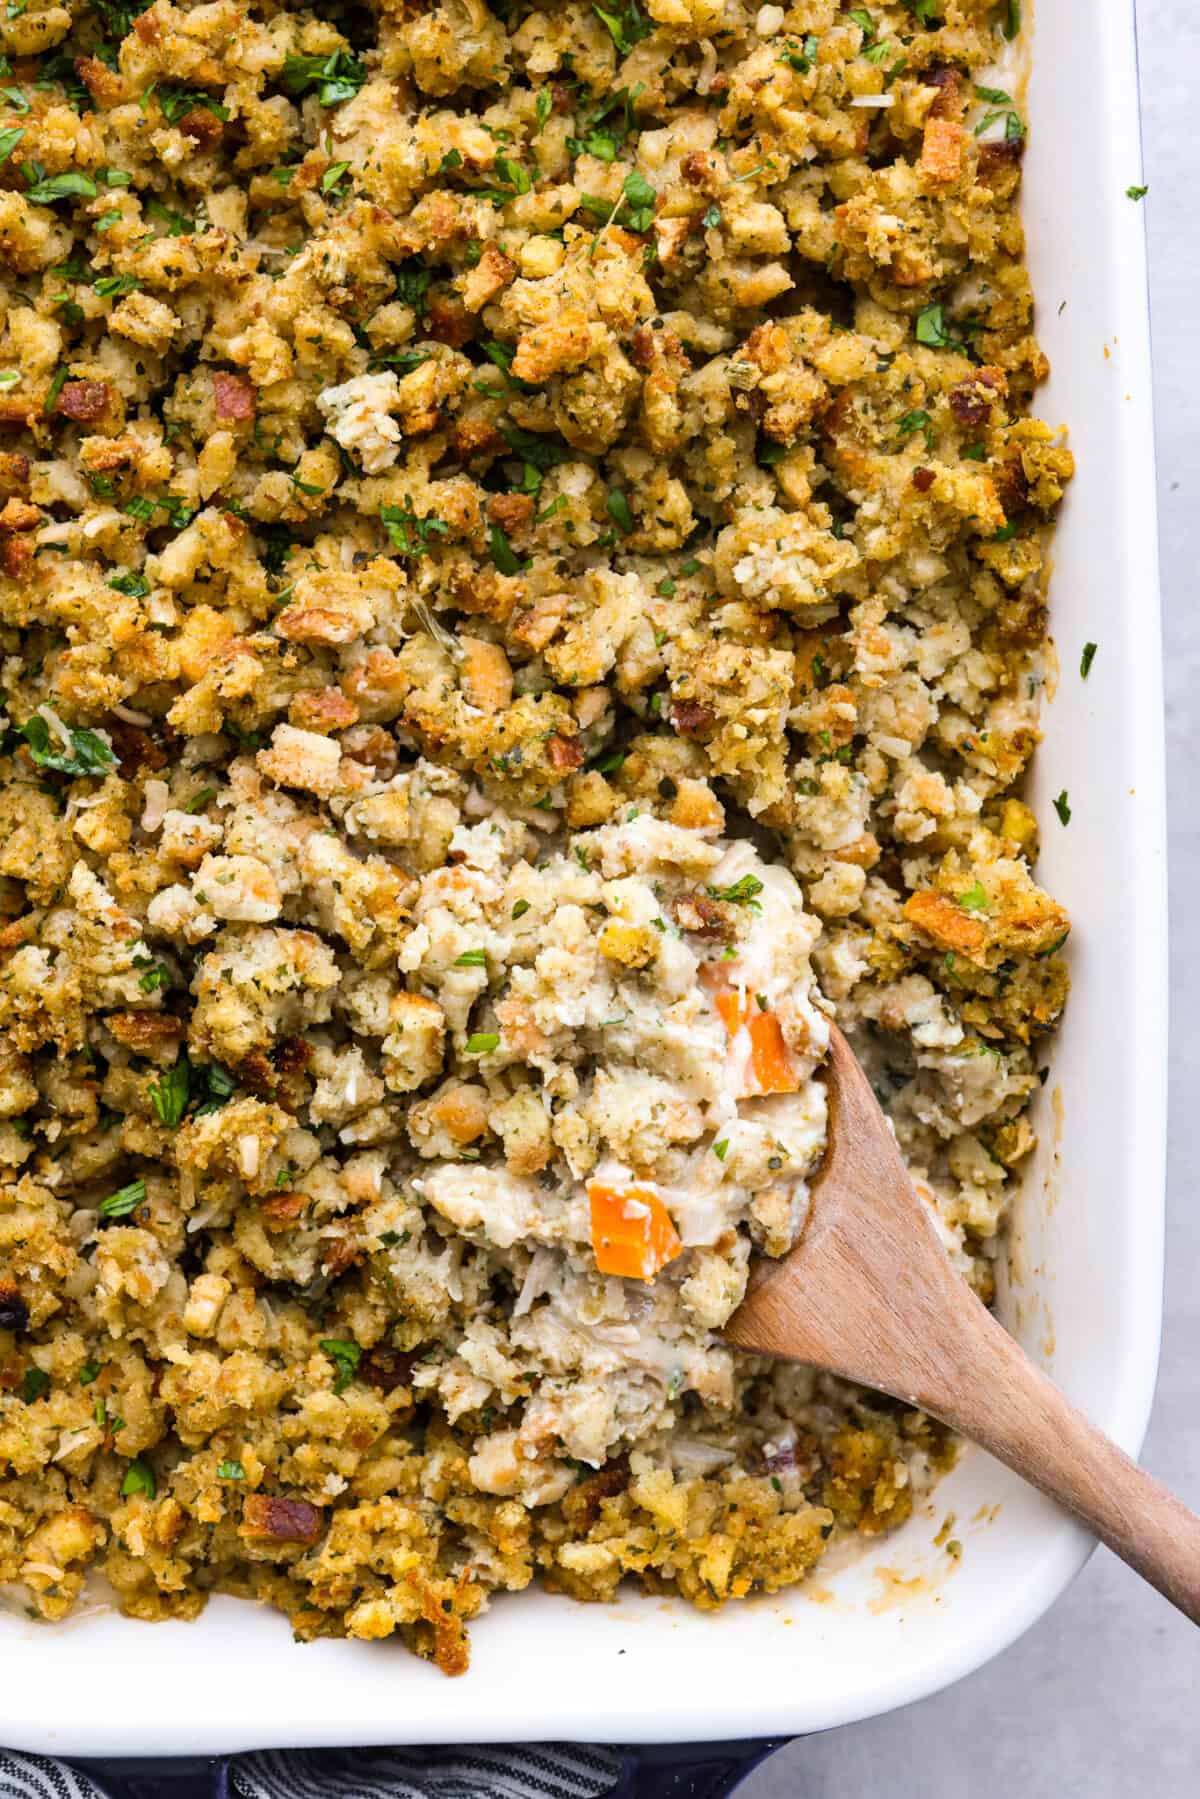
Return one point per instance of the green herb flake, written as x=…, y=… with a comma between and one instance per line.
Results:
x=481, y=1043
x=336, y=78
x=640, y=201
x=124, y=1201
x=72, y=184
x=345, y=1356
x=135, y=585
x=974, y=899
x=801, y=60
x=410, y=535
x=505, y=558
x=917, y=421
x=230, y=1471
x=35, y=1384
x=626, y=24
x=721, y=1149
x=1086, y=660
x=1131, y=193
x=931, y=329
x=109, y=286
x=617, y=507
x=1063, y=807
x=741, y=893
x=88, y=753
x=57, y=382
x=9, y=140
x=169, y=1094
x=139, y=1479
x=471, y=958
x=520, y=909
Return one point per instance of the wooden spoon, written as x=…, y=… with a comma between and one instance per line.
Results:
x=870, y=1293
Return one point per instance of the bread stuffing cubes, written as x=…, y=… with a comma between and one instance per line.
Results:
x=522, y=594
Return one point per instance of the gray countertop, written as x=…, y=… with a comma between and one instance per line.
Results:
x=1102, y=1698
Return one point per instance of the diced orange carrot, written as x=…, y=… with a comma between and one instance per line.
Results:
x=730, y=1009
x=769, y=1059
x=632, y=1233
x=768, y=1052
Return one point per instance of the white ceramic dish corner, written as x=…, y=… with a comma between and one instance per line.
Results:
x=1084, y=1293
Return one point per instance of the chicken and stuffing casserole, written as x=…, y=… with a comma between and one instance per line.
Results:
x=521, y=596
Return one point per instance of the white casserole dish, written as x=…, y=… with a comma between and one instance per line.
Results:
x=1086, y=1261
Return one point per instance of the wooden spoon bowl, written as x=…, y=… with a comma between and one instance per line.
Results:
x=869, y=1293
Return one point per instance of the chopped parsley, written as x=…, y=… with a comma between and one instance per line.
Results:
x=1063, y=807
x=741, y=893
x=801, y=60
x=412, y=283
x=481, y=1043
x=216, y=1085
x=108, y=286
x=124, y=1201
x=617, y=507
x=931, y=329
x=1086, y=660
x=34, y=1385
x=170, y=1093
x=917, y=421
x=503, y=555
x=626, y=24
x=139, y=1478
x=57, y=382
x=345, y=1356
x=177, y=102
x=88, y=753
x=71, y=184
x=520, y=909
x=974, y=899
x=471, y=958
x=135, y=585
x=410, y=535
x=1014, y=127
x=230, y=1471
x=1131, y=193
x=336, y=78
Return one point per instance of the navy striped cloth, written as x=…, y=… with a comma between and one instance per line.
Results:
x=479, y=1771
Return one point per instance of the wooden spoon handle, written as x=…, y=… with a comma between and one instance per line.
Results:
x=1017, y=1413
